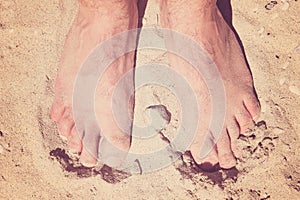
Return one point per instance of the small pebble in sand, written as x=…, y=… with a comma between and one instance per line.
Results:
x=270, y=5
x=282, y=80
x=294, y=89
x=285, y=6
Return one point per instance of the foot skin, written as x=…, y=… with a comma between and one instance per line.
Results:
x=92, y=26
x=202, y=21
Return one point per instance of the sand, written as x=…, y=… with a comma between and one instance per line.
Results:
x=34, y=165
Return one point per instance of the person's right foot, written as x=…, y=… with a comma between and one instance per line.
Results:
x=202, y=21
x=96, y=21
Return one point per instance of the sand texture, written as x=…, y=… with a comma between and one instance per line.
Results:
x=35, y=163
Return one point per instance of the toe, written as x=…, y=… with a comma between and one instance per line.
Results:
x=75, y=143
x=65, y=124
x=211, y=158
x=84, y=139
x=57, y=110
x=234, y=133
x=233, y=128
x=114, y=150
x=210, y=162
x=87, y=159
x=225, y=154
x=252, y=104
x=90, y=143
x=244, y=119
x=204, y=151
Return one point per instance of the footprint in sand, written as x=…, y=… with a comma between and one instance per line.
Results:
x=259, y=143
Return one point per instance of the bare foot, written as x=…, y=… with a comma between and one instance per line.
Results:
x=96, y=21
x=202, y=21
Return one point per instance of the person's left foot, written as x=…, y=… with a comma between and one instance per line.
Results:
x=91, y=27
x=205, y=24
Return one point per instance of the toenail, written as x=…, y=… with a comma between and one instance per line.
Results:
x=256, y=117
x=229, y=168
x=250, y=129
x=247, y=130
x=229, y=164
x=238, y=153
x=86, y=164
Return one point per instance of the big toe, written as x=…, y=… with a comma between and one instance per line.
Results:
x=114, y=150
x=87, y=159
x=210, y=162
x=205, y=155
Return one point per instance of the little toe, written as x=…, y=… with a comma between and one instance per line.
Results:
x=244, y=120
x=225, y=154
x=253, y=106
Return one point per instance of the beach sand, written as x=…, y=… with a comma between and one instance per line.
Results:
x=35, y=163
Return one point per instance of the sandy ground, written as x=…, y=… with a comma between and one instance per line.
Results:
x=31, y=39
